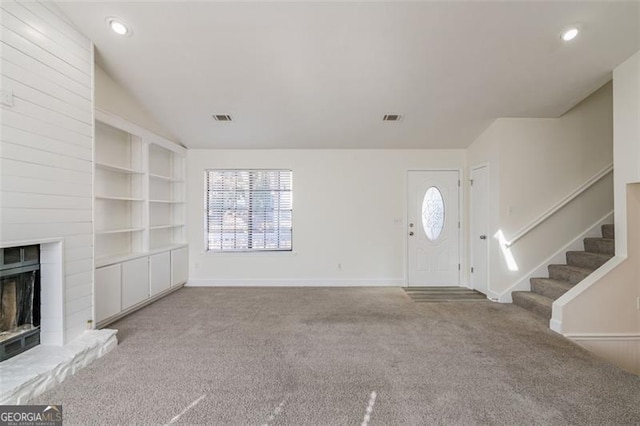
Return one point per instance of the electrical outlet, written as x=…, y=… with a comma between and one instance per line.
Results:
x=6, y=97
x=638, y=303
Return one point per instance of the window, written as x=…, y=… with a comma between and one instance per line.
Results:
x=433, y=213
x=249, y=210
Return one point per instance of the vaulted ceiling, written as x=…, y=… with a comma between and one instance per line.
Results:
x=323, y=74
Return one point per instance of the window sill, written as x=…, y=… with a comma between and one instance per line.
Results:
x=265, y=253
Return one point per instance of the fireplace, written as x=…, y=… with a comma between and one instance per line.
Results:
x=55, y=352
x=19, y=300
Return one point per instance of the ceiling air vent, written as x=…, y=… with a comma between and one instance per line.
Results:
x=222, y=117
x=392, y=117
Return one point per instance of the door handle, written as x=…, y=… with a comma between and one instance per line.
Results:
x=483, y=237
x=411, y=233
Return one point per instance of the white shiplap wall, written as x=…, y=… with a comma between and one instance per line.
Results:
x=46, y=144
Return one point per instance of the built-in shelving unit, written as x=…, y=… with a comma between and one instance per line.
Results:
x=119, y=192
x=166, y=197
x=139, y=181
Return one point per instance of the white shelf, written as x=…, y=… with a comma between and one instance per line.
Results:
x=166, y=201
x=119, y=231
x=165, y=178
x=123, y=257
x=167, y=248
x=165, y=226
x=116, y=258
x=108, y=197
x=118, y=169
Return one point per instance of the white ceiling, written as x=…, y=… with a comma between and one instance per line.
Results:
x=322, y=75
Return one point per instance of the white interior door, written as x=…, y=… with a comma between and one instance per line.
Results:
x=479, y=229
x=433, y=227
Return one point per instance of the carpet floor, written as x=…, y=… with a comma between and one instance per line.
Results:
x=341, y=356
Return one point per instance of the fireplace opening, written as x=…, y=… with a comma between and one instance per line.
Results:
x=19, y=300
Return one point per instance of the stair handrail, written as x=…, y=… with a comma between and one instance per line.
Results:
x=559, y=205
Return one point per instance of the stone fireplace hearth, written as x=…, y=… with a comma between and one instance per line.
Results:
x=36, y=368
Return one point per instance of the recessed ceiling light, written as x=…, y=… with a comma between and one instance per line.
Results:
x=118, y=26
x=570, y=33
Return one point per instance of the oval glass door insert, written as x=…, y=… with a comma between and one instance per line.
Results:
x=433, y=213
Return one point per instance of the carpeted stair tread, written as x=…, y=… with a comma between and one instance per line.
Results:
x=571, y=274
x=608, y=231
x=550, y=288
x=563, y=277
x=600, y=245
x=587, y=260
x=536, y=303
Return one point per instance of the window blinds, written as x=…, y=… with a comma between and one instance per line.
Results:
x=249, y=210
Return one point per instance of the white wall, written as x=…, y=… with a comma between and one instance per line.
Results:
x=349, y=210
x=535, y=163
x=113, y=98
x=603, y=312
x=46, y=150
x=626, y=85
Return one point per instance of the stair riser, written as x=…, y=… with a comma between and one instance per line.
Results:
x=608, y=231
x=561, y=273
x=543, y=288
x=600, y=245
x=538, y=309
x=585, y=260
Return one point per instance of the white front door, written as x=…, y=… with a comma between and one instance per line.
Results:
x=433, y=228
x=479, y=228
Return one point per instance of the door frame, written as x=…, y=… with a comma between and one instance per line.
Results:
x=405, y=221
x=471, y=260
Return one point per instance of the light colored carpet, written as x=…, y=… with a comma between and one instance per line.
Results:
x=294, y=356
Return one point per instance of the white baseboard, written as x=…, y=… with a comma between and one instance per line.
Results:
x=390, y=282
x=555, y=325
x=602, y=336
x=559, y=257
x=621, y=349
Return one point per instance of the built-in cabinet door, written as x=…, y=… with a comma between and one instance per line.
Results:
x=179, y=266
x=135, y=281
x=159, y=272
x=107, y=292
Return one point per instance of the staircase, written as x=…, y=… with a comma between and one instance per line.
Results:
x=563, y=277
